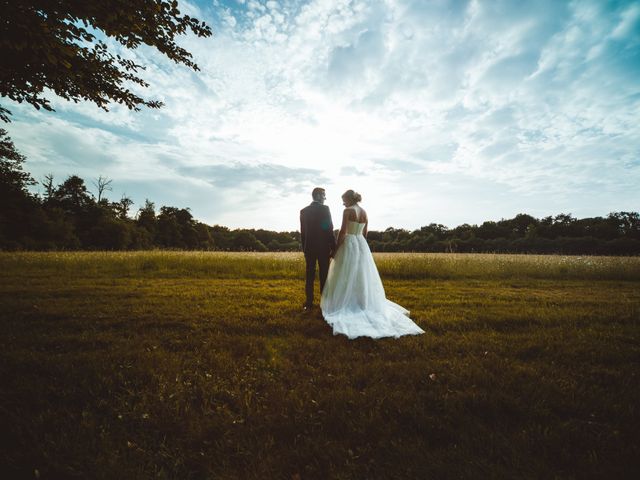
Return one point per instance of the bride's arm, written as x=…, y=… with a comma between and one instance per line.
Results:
x=343, y=228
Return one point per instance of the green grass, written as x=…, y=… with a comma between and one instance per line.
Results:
x=201, y=365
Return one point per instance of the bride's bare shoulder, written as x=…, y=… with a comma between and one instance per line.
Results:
x=349, y=214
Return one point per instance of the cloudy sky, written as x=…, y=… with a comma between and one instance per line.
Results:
x=436, y=111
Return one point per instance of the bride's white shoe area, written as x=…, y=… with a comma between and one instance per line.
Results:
x=353, y=300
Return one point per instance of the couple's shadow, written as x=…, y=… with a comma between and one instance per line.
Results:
x=314, y=325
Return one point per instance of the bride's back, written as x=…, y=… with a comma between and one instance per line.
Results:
x=355, y=228
x=357, y=220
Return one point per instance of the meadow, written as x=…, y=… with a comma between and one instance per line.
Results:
x=192, y=365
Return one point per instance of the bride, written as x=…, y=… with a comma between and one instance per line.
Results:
x=353, y=300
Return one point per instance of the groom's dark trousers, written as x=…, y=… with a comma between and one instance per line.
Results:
x=318, y=242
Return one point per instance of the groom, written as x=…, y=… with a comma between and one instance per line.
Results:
x=318, y=242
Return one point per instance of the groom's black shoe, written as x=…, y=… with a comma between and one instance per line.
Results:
x=307, y=308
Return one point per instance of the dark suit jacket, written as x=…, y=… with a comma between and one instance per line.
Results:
x=316, y=229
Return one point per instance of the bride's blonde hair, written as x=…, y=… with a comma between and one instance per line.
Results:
x=352, y=196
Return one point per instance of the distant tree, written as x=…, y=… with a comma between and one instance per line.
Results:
x=418, y=242
x=395, y=234
x=169, y=233
x=48, y=185
x=522, y=223
x=109, y=233
x=16, y=204
x=122, y=207
x=545, y=227
x=12, y=176
x=244, y=240
x=222, y=237
x=72, y=194
x=205, y=240
x=60, y=46
x=564, y=225
x=463, y=232
x=276, y=241
x=102, y=184
x=375, y=245
x=491, y=230
x=627, y=223
x=438, y=230
x=57, y=231
x=146, y=217
x=374, y=236
x=188, y=229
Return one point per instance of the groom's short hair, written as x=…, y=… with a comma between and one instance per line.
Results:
x=317, y=192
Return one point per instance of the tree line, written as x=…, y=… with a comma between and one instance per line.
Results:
x=68, y=216
x=616, y=234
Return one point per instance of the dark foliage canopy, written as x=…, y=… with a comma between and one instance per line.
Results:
x=59, y=45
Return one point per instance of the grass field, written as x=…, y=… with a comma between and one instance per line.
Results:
x=202, y=365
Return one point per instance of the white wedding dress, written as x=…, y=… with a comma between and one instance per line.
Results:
x=353, y=300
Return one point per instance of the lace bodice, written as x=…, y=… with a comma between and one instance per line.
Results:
x=355, y=228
